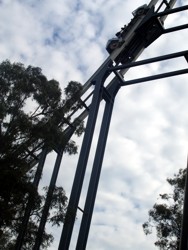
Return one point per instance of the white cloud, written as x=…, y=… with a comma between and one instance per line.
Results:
x=148, y=134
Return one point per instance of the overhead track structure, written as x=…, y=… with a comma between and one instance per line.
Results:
x=146, y=26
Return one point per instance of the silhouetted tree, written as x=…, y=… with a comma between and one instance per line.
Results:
x=166, y=216
x=32, y=112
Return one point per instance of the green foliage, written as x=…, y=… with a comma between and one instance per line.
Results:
x=32, y=113
x=55, y=218
x=166, y=216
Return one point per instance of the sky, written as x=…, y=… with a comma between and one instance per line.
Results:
x=148, y=136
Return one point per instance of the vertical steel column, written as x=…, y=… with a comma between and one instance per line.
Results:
x=94, y=180
x=23, y=227
x=43, y=220
x=83, y=158
x=184, y=229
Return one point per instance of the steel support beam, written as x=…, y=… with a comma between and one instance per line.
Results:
x=83, y=158
x=23, y=227
x=51, y=188
x=95, y=175
x=150, y=60
x=170, y=11
x=184, y=229
x=80, y=172
x=155, y=77
x=43, y=220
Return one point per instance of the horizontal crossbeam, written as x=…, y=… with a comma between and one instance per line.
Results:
x=150, y=60
x=155, y=77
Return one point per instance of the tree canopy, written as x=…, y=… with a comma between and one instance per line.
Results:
x=32, y=113
x=166, y=216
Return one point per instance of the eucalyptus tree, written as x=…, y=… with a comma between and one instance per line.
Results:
x=165, y=217
x=33, y=112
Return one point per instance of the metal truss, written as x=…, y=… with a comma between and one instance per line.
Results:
x=142, y=31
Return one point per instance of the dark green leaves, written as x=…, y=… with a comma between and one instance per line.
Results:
x=32, y=113
x=166, y=216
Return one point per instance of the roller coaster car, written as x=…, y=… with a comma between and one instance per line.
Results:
x=149, y=29
x=140, y=10
x=117, y=41
x=112, y=44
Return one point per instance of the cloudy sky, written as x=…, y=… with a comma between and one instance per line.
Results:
x=148, y=137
